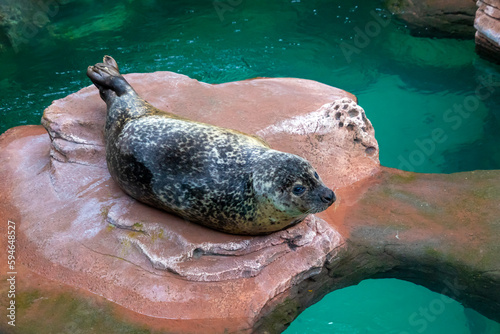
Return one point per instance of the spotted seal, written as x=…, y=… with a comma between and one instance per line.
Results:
x=213, y=176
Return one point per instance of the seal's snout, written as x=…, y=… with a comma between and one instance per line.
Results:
x=327, y=196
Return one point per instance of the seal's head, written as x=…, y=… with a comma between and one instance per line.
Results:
x=291, y=184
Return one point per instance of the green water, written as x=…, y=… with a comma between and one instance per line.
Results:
x=433, y=102
x=389, y=306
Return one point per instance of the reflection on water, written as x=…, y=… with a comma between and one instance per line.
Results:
x=433, y=103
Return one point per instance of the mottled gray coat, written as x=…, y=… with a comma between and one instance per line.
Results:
x=217, y=177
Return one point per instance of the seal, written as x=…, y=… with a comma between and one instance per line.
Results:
x=217, y=177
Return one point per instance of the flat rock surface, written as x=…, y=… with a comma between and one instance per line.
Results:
x=80, y=229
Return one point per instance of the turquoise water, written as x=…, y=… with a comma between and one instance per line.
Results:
x=389, y=306
x=434, y=103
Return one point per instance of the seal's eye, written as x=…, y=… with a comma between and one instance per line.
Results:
x=316, y=175
x=298, y=190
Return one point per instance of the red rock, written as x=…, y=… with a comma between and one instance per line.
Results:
x=487, y=23
x=430, y=18
x=78, y=231
x=88, y=234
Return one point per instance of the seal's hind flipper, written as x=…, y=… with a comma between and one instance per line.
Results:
x=107, y=77
x=110, y=61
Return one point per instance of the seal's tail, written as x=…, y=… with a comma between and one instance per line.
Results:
x=107, y=77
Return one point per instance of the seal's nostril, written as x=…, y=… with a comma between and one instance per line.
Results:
x=334, y=198
x=328, y=196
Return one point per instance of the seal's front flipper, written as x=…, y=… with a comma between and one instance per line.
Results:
x=107, y=78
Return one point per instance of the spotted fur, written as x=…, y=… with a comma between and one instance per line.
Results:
x=217, y=177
